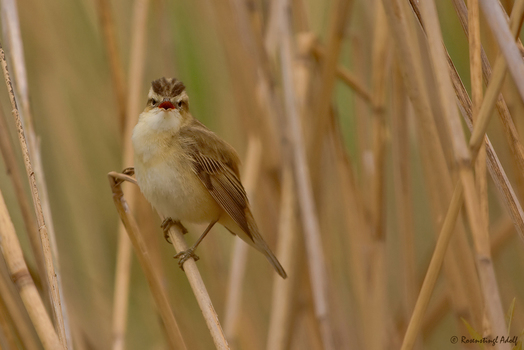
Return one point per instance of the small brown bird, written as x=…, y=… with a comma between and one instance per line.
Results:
x=188, y=173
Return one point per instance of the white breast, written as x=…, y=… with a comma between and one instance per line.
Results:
x=166, y=178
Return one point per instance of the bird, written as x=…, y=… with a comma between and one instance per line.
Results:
x=188, y=173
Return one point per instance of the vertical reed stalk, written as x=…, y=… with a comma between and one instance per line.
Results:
x=310, y=224
x=240, y=250
x=20, y=275
x=7, y=338
x=480, y=233
x=123, y=267
x=466, y=298
x=200, y=291
x=432, y=273
x=377, y=288
x=15, y=308
x=498, y=24
x=475, y=65
x=8, y=153
x=487, y=279
x=495, y=79
x=11, y=26
x=42, y=228
x=403, y=191
x=115, y=63
x=284, y=291
x=340, y=14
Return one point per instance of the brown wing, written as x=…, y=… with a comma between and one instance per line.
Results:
x=215, y=163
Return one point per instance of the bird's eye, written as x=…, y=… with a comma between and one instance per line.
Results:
x=180, y=103
x=152, y=101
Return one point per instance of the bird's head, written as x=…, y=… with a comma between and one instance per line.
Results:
x=167, y=104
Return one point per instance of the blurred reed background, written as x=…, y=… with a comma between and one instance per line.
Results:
x=355, y=157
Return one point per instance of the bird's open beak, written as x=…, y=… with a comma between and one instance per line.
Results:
x=166, y=105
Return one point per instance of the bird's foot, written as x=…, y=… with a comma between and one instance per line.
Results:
x=184, y=255
x=130, y=171
x=166, y=225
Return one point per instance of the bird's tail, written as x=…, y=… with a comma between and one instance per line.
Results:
x=262, y=246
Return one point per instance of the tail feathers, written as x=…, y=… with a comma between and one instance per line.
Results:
x=274, y=261
x=253, y=238
x=262, y=246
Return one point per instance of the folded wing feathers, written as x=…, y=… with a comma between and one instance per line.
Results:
x=225, y=188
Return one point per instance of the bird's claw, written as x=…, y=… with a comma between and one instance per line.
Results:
x=182, y=227
x=184, y=255
x=166, y=225
x=130, y=171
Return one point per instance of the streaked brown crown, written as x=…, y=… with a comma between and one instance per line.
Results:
x=168, y=87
